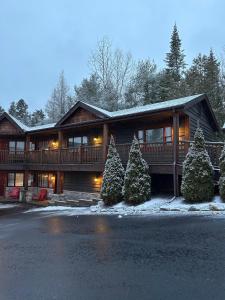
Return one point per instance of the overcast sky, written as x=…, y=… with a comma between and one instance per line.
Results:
x=39, y=38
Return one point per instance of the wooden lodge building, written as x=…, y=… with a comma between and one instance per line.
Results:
x=70, y=155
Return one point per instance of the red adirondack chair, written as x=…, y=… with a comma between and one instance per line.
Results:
x=42, y=195
x=14, y=193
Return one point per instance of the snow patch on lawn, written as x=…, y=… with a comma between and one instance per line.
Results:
x=157, y=205
x=4, y=206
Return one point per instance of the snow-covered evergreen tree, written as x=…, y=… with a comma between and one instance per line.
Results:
x=137, y=181
x=113, y=177
x=222, y=174
x=197, y=178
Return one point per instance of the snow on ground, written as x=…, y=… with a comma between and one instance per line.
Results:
x=3, y=206
x=157, y=205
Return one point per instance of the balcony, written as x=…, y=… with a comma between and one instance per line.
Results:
x=154, y=154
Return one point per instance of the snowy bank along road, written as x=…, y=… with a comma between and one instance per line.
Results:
x=159, y=206
x=52, y=256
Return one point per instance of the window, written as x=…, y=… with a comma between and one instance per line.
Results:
x=15, y=179
x=15, y=146
x=31, y=146
x=11, y=178
x=43, y=180
x=141, y=136
x=76, y=141
x=12, y=146
x=46, y=180
x=182, y=130
x=154, y=135
x=168, y=134
x=30, y=179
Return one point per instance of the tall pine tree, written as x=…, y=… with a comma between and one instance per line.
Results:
x=1, y=110
x=172, y=82
x=175, y=63
x=19, y=110
x=222, y=174
x=204, y=76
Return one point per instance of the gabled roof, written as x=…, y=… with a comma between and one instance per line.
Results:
x=19, y=123
x=169, y=104
x=22, y=127
x=98, y=112
x=180, y=103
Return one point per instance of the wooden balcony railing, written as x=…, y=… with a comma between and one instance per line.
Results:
x=154, y=153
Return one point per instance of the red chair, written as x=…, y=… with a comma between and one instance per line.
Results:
x=14, y=193
x=41, y=196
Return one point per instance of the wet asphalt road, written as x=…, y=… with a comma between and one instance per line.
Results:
x=45, y=256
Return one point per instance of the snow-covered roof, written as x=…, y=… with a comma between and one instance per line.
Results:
x=147, y=108
x=28, y=128
x=19, y=123
x=124, y=112
x=105, y=112
x=44, y=126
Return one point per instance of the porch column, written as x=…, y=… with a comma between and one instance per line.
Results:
x=27, y=148
x=59, y=182
x=61, y=144
x=26, y=180
x=105, y=140
x=60, y=139
x=27, y=144
x=175, y=153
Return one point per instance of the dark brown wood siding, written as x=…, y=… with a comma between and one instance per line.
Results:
x=198, y=114
x=80, y=115
x=124, y=133
x=82, y=181
x=91, y=134
x=8, y=128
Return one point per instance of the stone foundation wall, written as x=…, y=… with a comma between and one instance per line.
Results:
x=74, y=195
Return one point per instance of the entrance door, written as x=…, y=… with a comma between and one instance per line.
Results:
x=3, y=181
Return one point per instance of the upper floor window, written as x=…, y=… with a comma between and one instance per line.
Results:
x=16, y=146
x=77, y=141
x=155, y=135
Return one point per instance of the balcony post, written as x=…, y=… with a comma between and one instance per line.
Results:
x=26, y=175
x=61, y=144
x=59, y=182
x=105, y=140
x=175, y=153
x=27, y=147
x=60, y=139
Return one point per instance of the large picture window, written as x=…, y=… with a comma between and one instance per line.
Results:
x=77, y=141
x=155, y=135
x=15, y=179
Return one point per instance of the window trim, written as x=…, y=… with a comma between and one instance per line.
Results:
x=15, y=149
x=164, y=141
x=82, y=138
x=14, y=179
